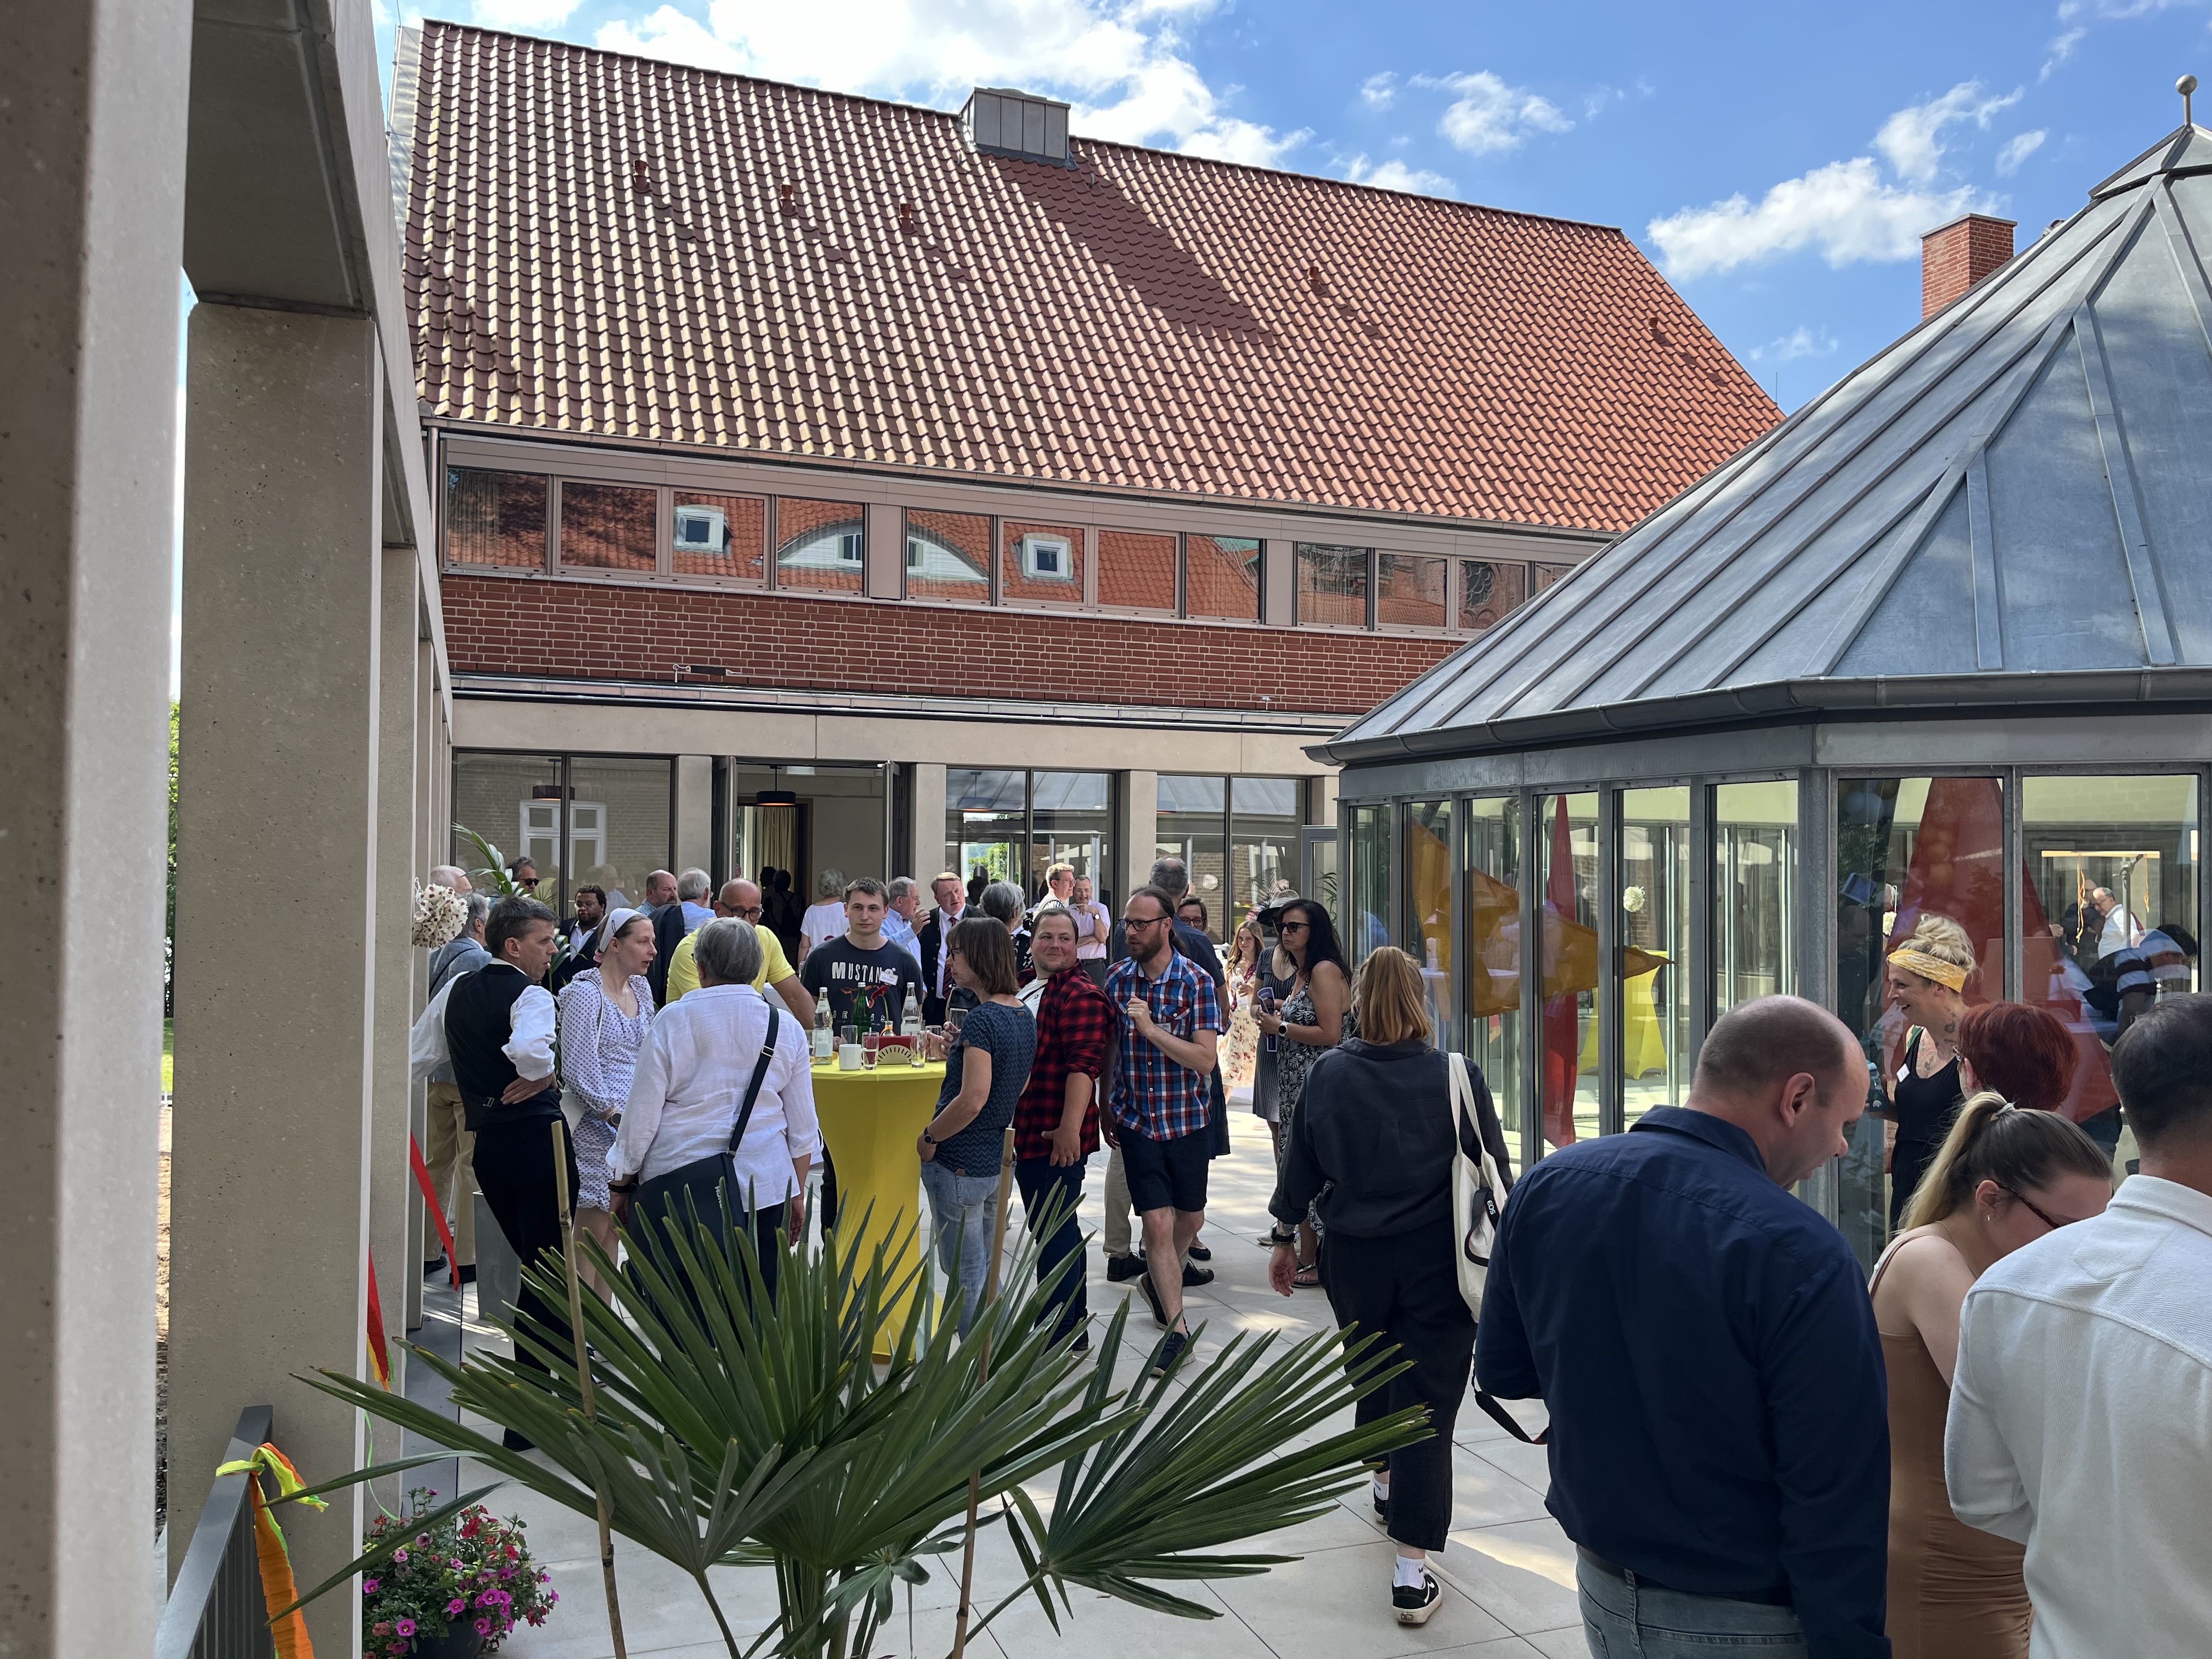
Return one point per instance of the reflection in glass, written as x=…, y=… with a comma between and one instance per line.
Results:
x=820, y=546
x=2109, y=921
x=948, y=556
x=513, y=801
x=1040, y=563
x=1263, y=845
x=1493, y=951
x=1545, y=575
x=494, y=518
x=1193, y=823
x=986, y=813
x=1567, y=827
x=1073, y=825
x=1905, y=847
x=607, y=527
x=1409, y=591
x=1365, y=922
x=717, y=535
x=1656, y=1057
x=1428, y=865
x=619, y=828
x=1754, y=891
x=1136, y=572
x=1332, y=584
x=1221, y=577
x=1490, y=590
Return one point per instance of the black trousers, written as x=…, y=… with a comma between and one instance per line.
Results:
x=1038, y=1180
x=1406, y=1286
x=768, y=1223
x=514, y=1171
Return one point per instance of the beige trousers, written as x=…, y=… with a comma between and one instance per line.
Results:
x=450, y=1158
x=1116, y=1230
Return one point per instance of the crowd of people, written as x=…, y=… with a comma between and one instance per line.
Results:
x=1997, y=1439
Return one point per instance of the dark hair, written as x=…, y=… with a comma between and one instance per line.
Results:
x=1159, y=896
x=1320, y=937
x=1992, y=1139
x=2183, y=941
x=594, y=890
x=987, y=948
x=510, y=919
x=2162, y=1067
x=1760, y=1043
x=2023, y=1053
x=1205, y=922
x=515, y=865
x=868, y=885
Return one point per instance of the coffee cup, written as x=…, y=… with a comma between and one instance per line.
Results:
x=850, y=1056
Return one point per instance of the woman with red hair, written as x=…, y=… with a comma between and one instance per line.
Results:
x=2026, y=1054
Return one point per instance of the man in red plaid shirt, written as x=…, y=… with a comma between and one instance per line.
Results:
x=1056, y=1120
x=1163, y=1099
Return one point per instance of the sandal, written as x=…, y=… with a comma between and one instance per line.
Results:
x=1308, y=1277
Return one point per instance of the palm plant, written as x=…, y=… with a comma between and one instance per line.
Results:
x=491, y=866
x=730, y=1429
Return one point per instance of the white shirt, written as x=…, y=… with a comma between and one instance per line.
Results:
x=2081, y=1423
x=822, y=923
x=691, y=1081
x=531, y=1018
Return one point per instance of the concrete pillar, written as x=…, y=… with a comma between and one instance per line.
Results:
x=1140, y=831
x=277, y=935
x=1321, y=799
x=92, y=122
x=924, y=853
x=392, y=1181
x=695, y=814
x=1278, y=592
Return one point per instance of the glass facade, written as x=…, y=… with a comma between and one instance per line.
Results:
x=1193, y=825
x=607, y=527
x=1409, y=591
x=607, y=820
x=496, y=518
x=1427, y=863
x=1041, y=563
x=1221, y=577
x=1657, y=1051
x=1332, y=585
x=820, y=546
x=986, y=824
x=948, y=556
x=1365, y=922
x=1009, y=825
x=1136, y=572
x=1238, y=837
x=1754, y=891
x=718, y=536
x=1490, y=590
x=1566, y=839
x=1490, y=993
x=1071, y=823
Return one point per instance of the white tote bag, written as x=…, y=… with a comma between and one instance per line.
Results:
x=1474, y=1187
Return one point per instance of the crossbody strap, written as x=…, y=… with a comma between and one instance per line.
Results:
x=753, y=1088
x=1462, y=1094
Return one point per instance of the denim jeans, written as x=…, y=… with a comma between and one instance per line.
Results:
x=1039, y=1180
x=1634, y=1621
x=962, y=1209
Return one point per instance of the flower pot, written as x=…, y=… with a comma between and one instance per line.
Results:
x=459, y=1644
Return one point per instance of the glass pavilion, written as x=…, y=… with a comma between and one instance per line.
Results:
x=1941, y=642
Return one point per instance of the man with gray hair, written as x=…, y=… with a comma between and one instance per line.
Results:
x=449, y=1147
x=691, y=890
x=452, y=876
x=898, y=923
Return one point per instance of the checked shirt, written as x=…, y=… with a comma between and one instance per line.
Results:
x=1074, y=1025
x=1153, y=1097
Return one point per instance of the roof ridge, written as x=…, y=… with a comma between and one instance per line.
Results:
x=954, y=115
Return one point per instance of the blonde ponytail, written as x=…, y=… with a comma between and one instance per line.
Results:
x=1992, y=1139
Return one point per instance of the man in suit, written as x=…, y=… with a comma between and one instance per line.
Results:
x=936, y=980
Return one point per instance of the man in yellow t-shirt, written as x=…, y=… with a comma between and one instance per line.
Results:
x=742, y=899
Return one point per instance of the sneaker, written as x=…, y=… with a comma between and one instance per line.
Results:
x=1382, y=1507
x=1152, y=1296
x=1120, y=1269
x=1193, y=1274
x=1200, y=1253
x=1170, y=1349
x=1417, y=1604
x=1081, y=1344
x=514, y=1442
x=434, y=1269
x=469, y=1273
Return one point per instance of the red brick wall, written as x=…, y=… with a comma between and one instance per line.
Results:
x=1959, y=255
x=577, y=630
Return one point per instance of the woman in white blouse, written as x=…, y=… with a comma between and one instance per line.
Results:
x=605, y=1012
x=690, y=1087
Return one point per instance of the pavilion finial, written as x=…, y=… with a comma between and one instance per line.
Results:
x=2185, y=86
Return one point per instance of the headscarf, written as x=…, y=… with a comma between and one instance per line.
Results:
x=1928, y=968
x=616, y=921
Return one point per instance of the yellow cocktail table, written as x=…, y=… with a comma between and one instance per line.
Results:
x=872, y=1120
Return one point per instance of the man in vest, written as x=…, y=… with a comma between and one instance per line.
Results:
x=496, y=1026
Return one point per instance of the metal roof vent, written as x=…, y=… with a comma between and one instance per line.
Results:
x=1000, y=121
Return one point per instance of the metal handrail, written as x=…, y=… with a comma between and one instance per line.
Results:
x=215, y=1609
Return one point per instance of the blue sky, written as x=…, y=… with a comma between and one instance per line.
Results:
x=1777, y=163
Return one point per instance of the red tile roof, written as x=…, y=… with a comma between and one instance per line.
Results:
x=599, y=244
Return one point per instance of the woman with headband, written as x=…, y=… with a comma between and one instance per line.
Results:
x=605, y=1012
x=2001, y=1178
x=1926, y=979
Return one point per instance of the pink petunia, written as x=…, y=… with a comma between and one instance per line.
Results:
x=458, y=1605
x=404, y=1627
x=484, y=1627
x=400, y=1556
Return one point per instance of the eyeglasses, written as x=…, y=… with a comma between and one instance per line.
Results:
x=751, y=913
x=2040, y=1213
x=1148, y=921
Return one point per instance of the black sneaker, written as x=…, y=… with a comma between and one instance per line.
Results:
x=1169, y=1350
x=1193, y=1274
x=1381, y=1508
x=1417, y=1605
x=1200, y=1253
x=1120, y=1269
x=434, y=1269
x=469, y=1273
x=514, y=1442
x=1152, y=1296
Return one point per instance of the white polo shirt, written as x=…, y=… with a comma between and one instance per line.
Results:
x=2081, y=1423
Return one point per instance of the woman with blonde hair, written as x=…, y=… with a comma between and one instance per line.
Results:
x=2003, y=1177
x=1927, y=982
x=1372, y=1143
x=1240, y=1058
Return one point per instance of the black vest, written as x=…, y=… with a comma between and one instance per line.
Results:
x=478, y=1028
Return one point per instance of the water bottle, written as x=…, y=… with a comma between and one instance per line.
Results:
x=822, y=1044
x=911, y=1028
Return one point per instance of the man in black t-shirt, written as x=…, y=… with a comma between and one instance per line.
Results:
x=867, y=978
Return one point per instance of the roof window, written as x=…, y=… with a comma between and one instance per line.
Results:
x=1000, y=121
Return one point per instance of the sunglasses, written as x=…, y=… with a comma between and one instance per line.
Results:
x=1294, y=927
x=2042, y=1214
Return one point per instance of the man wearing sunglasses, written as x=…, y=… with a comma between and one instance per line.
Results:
x=742, y=899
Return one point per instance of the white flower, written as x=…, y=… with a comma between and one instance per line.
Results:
x=1632, y=899
x=440, y=914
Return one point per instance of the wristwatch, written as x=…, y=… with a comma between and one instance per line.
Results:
x=931, y=1139
x=1282, y=1239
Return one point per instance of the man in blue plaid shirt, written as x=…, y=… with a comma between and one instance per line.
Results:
x=1169, y=1029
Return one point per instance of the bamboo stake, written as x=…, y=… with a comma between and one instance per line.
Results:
x=584, y=1373
x=983, y=1375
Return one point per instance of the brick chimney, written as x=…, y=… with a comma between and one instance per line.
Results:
x=1956, y=256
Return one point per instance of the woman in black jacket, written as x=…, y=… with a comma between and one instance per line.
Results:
x=1371, y=1144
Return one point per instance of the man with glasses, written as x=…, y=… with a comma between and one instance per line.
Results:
x=1169, y=1029
x=742, y=899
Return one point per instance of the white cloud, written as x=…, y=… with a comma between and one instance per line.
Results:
x=524, y=14
x=1396, y=175
x=1844, y=210
x=1488, y=115
x=2061, y=48
x=1913, y=138
x=1800, y=341
x=2017, y=149
x=1119, y=62
x=1378, y=91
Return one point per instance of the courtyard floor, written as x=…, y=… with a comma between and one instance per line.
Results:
x=1508, y=1572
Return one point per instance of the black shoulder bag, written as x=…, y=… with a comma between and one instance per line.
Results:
x=702, y=1177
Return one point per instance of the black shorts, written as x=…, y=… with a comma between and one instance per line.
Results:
x=1165, y=1174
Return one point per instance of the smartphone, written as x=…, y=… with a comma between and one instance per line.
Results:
x=1267, y=1005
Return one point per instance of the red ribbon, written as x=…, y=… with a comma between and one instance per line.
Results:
x=379, y=1355
x=437, y=1209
